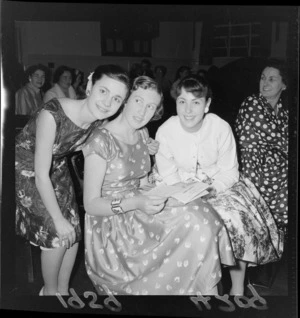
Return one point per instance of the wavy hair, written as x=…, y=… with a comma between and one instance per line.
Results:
x=195, y=84
x=147, y=82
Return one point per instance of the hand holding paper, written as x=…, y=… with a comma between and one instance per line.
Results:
x=183, y=192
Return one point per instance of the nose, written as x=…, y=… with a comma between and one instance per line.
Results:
x=142, y=110
x=265, y=82
x=188, y=108
x=107, y=101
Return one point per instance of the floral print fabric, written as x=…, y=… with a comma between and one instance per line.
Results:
x=263, y=143
x=254, y=235
x=33, y=221
x=178, y=251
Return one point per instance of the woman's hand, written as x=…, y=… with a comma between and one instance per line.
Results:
x=153, y=146
x=150, y=204
x=212, y=192
x=65, y=232
x=173, y=202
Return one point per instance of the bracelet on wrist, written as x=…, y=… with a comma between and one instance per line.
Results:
x=115, y=206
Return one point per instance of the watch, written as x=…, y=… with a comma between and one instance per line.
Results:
x=115, y=206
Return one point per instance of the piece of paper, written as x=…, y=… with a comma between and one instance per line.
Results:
x=166, y=190
x=183, y=192
x=192, y=192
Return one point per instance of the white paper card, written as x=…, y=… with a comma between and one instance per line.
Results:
x=183, y=192
x=194, y=191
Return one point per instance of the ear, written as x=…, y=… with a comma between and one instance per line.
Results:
x=208, y=102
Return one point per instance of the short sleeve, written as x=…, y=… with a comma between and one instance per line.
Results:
x=100, y=143
x=48, y=96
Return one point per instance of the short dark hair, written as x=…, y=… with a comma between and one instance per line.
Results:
x=146, y=61
x=147, y=82
x=33, y=68
x=195, y=84
x=162, y=68
x=59, y=71
x=113, y=71
x=180, y=70
x=280, y=65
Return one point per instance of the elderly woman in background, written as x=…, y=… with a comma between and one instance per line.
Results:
x=262, y=130
x=30, y=97
x=62, y=79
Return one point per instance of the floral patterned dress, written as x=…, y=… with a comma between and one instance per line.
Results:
x=178, y=251
x=254, y=234
x=263, y=142
x=33, y=221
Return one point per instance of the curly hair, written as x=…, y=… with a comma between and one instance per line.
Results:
x=33, y=68
x=59, y=71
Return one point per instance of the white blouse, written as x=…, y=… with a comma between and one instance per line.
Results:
x=210, y=151
x=57, y=92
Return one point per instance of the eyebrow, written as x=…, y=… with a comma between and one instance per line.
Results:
x=196, y=98
x=269, y=75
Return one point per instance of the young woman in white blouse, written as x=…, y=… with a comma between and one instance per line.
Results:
x=201, y=146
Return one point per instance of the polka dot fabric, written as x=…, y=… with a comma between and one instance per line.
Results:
x=263, y=144
x=178, y=251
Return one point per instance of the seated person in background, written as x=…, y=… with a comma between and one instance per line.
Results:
x=160, y=72
x=200, y=146
x=136, y=244
x=203, y=73
x=262, y=130
x=146, y=68
x=78, y=84
x=30, y=97
x=62, y=79
x=135, y=71
x=181, y=72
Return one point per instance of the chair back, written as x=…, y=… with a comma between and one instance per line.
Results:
x=76, y=166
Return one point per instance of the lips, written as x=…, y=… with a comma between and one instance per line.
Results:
x=102, y=109
x=138, y=119
x=188, y=117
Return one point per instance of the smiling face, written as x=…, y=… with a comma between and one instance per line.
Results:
x=65, y=80
x=271, y=84
x=106, y=97
x=141, y=106
x=191, y=110
x=37, y=79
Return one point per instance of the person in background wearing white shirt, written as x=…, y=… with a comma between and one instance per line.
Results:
x=62, y=79
x=201, y=146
